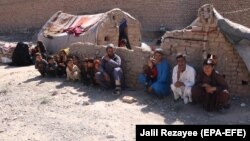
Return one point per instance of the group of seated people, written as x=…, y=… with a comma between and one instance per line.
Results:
x=105, y=72
x=207, y=87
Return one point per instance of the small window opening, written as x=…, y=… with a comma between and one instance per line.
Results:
x=106, y=38
x=244, y=82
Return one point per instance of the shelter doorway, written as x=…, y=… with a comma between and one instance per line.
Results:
x=123, y=34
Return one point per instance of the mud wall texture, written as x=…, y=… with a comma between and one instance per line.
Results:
x=202, y=38
x=229, y=62
x=132, y=60
x=153, y=14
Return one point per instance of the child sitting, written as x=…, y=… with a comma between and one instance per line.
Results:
x=91, y=71
x=150, y=72
x=122, y=43
x=61, y=69
x=56, y=58
x=73, y=72
x=76, y=61
x=88, y=71
x=97, y=67
x=33, y=52
x=52, y=67
x=84, y=70
x=41, y=64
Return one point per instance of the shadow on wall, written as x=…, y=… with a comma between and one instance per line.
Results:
x=132, y=60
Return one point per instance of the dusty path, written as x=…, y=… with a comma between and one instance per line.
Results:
x=30, y=112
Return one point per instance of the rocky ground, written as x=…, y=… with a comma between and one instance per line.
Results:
x=53, y=109
x=33, y=108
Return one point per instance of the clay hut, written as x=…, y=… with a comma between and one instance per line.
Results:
x=63, y=29
x=211, y=33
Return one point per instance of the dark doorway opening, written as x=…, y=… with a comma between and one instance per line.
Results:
x=123, y=34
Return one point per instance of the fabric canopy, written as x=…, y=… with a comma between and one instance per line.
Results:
x=233, y=31
x=63, y=29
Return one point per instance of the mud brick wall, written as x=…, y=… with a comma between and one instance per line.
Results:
x=109, y=29
x=203, y=37
x=132, y=60
x=173, y=14
x=192, y=43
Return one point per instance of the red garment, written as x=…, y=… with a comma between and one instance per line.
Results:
x=151, y=72
x=34, y=51
x=74, y=30
x=78, y=30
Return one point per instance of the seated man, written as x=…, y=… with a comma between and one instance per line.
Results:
x=161, y=86
x=183, y=79
x=110, y=73
x=211, y=89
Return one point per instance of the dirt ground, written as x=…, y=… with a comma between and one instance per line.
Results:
x=33, y=108
x=52, y=109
